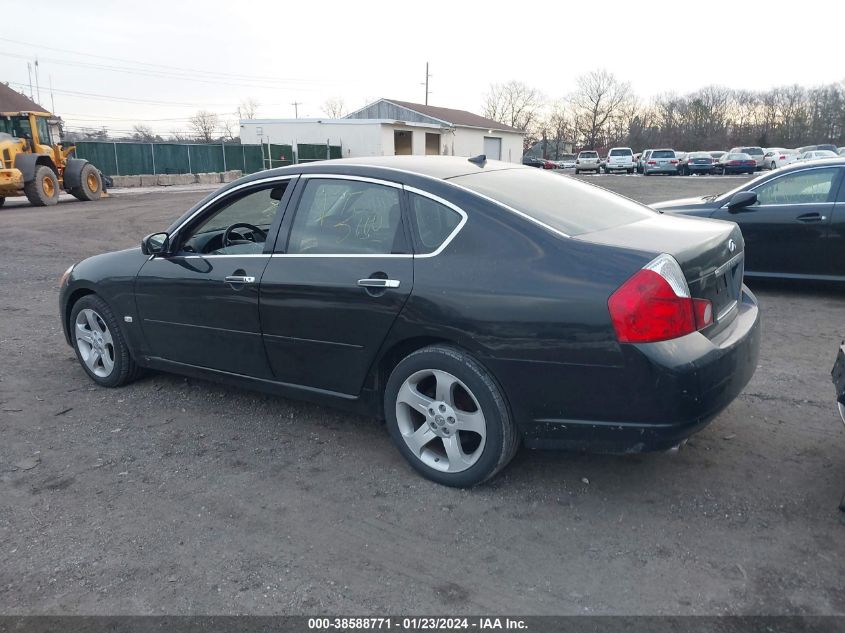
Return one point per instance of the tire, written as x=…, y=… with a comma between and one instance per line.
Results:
x=630, y=171
x=91, y=185
x=450, y=383
x=99, y=344
x=2, y=201
x=43, y=189
x=577, y=171
x=774, y=166
x=645, y=173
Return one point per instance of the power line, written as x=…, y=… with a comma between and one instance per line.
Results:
x=171, y=68
x=92, y=95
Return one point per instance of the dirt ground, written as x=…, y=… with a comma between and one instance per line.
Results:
x=185, y=497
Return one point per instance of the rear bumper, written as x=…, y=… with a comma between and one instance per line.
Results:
x=663, y=393
x=668, y=169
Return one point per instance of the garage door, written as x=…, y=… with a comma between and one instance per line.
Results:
x=493, y=148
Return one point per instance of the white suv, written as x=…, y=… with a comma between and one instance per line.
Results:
x=588, y=160
x=618, y=159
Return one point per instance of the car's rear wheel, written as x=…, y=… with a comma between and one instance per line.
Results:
x=774, y=166
x=99, y=344
x=448, y=417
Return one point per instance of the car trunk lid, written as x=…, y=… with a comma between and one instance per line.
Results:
x=710, y=253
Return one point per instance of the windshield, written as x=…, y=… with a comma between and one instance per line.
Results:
x=568, y=205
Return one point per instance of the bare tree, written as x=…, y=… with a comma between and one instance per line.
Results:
x=334, y=108
x=248, y=109
x=143, y=133
x=513, y=103
x=597, y=97
x=204, y=125
x=228, y=129
x=178, y=135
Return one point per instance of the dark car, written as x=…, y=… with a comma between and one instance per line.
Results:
x=793, y=220
x=733, y=163
x=542, y=163
x=474, y=305
x=696, y=163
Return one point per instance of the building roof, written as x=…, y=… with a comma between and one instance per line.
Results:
x=449, y=116
x=13, y=101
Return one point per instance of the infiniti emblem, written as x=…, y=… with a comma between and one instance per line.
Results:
x=731, y=246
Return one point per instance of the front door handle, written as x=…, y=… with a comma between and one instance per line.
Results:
x=239, y=279
x=810, y=217
x=378, y=283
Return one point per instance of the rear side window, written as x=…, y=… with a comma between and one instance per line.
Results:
x=621, y=152
x=566, y=204
x=663, y=153
x=433, y=223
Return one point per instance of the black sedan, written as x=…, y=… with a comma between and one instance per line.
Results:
x=474, y=305
x=793, y=220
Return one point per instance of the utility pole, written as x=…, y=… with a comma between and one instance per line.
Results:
x=296, y=105
x=52, y=98
x=29, y=70
x=427, y=91
x=37, y=85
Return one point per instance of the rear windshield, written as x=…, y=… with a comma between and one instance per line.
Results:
x=621, y=152
x=753, y=151
x=566, y=204
x=588, y=154
x=698, y=155
x=663, y=153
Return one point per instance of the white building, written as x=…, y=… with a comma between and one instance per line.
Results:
x=389, y=127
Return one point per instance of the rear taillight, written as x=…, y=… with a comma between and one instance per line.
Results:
x=652, y=162
x=655, y=305
x=673, y=162
x=782, y=158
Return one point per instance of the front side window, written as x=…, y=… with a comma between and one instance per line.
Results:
x=43, y=131
x=434, y=223
x=346, y=217
x=239, y=226
x=811, y=186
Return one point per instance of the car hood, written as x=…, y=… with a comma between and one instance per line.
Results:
x=698, y=204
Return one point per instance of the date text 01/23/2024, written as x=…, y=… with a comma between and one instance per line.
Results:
x=415, y=623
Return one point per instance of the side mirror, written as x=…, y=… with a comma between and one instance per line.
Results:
x=155, y=244
x=741, y=200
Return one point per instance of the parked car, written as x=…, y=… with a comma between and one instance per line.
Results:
x=755, y=152
x=587, y=160
x=695, y=163
x=533, y=161
x=619, y=159
x=736, y=163
x=778, y=157
x=841, y=151
x=643, y=157
x=428, y=290
x=661, y=161
x=716, y=155
x=566, y=161
x=793, y=220
x=816, y=154
x=812, y=148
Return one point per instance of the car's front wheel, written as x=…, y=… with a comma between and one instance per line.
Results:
x=448, y=417
x=99, y=344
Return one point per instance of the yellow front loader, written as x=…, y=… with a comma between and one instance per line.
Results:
x=32, y=165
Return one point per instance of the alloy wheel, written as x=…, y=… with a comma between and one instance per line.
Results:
x=440, y=420
x=94, y=342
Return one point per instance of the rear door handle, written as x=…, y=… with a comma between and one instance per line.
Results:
x=378, y=283
x=810, y=217
x=239, y=279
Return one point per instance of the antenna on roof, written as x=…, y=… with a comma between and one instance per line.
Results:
x=478, y=160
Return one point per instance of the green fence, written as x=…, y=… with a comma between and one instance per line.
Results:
x=132, y=159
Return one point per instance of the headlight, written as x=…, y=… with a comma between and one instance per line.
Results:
x=63, y=279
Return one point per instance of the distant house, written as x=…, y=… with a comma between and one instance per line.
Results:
x=391, y=127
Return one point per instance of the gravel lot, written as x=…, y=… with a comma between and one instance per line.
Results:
x=185, y=497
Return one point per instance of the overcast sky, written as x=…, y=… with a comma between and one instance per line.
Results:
x=136, y=61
